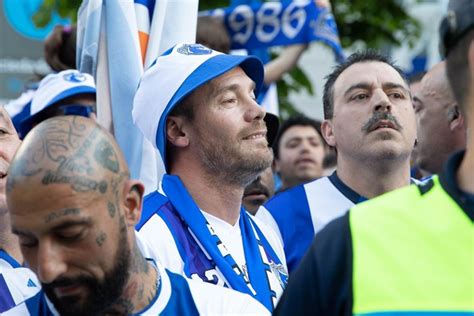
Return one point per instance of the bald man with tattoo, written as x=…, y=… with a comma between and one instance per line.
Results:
x=74, y=209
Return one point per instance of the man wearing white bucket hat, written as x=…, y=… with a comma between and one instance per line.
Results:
x=197, y=106
x=68, y=92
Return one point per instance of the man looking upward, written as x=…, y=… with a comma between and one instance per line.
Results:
x=197, y=106
x=369, y=120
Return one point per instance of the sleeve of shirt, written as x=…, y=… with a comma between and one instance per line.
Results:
x=322, y=284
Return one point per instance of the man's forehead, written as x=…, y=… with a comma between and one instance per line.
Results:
x=436, y=85
x=236, y=71
x=371, y=72
x=300, y=131
x=230, y=80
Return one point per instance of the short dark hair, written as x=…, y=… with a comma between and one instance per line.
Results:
x=184, y=108
x=296, y=120
x=457, y=69
x=359, y=57
x=60, y=48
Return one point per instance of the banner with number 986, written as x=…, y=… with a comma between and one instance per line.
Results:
x=267, y=24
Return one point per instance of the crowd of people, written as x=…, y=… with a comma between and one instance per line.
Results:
x=372, y=215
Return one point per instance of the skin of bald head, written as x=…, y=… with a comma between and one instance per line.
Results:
x=440, y=125
x=74, y=210
x=9, y=143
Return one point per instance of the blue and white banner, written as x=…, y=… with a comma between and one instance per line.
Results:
x=116, y=40
x=262, y=25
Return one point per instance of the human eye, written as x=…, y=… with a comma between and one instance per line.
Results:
x=359, y=96
x=230, y=100
x=71, y=234
x=315, y=143
x=397, y=95
x=27, y=242
x=293, y=143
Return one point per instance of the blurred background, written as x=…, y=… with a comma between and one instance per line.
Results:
x=405, y=29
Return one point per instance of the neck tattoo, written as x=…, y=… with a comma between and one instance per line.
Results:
x=157, y=281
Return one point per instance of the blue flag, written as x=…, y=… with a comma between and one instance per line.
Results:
x=262, y=25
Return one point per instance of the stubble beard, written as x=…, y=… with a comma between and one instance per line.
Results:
x=230, y=163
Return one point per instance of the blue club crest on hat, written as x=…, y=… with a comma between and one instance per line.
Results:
x=194, y=49
x=178, y=72
x=74, y=77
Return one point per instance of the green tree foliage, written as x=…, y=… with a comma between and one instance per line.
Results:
x=370, y=23
x=375, y=23
x=65, y=9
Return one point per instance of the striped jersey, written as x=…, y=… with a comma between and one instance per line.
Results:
x=297, y=214
x=175, y=295
x=171, y=242
x=17, y=284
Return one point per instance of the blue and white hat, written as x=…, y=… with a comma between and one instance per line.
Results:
x=54, y=88
x=59, y=86
x=174, y=75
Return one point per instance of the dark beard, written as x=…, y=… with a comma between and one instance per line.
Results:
x=101, y=293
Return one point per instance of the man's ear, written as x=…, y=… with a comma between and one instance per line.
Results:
x=133, y=200
x=456, y=119
x=175, y=132
x=457, y=124
x=328, y=133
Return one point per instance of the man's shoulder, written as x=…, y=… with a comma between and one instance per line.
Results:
x=412, y=205
x=152, y=203
x=410, y=196
x=299, y=191
x=17, y=285
x=286, y=198
x=154, y=199
x=212, y=299
x=183, y=296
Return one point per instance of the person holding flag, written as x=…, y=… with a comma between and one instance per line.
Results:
x=197, y=106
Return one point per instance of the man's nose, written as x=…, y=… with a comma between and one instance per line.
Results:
x=254, y=111
x=50, y=262
x=381, y=102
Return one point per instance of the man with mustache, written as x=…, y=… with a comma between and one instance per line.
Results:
x=259, y=191
x=17, y=283
x=410, y=251
x=197, y=107
x=74, y=209
x=369, y=120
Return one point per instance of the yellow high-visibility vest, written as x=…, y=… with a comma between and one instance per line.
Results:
x=413, y=254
